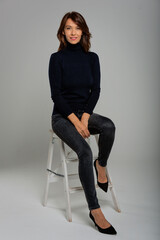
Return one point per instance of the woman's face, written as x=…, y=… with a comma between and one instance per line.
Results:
x=72, y=31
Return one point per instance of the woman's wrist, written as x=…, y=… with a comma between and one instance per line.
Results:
x=73, y=118
x=85, y=116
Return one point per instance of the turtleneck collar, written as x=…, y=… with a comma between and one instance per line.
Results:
x=74, y=47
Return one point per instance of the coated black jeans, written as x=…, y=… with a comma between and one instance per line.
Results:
x=97, y=124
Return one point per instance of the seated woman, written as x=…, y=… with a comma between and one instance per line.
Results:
x=74, y=75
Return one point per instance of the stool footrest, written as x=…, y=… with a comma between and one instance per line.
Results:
x=73, y=159
x=73, y=176
x=69, y=160
x=75, y=189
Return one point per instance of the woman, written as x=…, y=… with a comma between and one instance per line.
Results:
x=74, y=75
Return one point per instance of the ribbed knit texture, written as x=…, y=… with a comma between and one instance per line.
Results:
x=74, y=77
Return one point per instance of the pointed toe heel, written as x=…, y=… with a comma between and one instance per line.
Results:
x=103, y=186
x=110, y=230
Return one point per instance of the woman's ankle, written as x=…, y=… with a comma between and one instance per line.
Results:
x=96, y=210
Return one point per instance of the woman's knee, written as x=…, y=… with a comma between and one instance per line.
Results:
x=85, y=154
x=109, y=125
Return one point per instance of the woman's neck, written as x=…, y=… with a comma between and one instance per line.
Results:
x=74, y=47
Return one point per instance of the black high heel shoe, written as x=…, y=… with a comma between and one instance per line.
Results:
x=109, y=230
x=103, y=186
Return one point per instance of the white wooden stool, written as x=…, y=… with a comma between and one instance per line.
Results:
x=54, y=176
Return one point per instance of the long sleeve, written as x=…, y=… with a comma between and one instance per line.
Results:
x=95, y=90
x=55, y=79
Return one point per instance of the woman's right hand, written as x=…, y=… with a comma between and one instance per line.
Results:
x=82, y=129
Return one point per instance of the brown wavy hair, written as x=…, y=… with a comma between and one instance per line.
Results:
x=80, y=21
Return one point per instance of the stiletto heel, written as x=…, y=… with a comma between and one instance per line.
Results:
x=109, y=230
x=103, y=186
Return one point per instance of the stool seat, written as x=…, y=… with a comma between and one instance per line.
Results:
x=65, y=160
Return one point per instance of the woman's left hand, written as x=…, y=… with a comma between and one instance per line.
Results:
x=84, y=121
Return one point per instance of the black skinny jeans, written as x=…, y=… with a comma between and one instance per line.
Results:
x=97, y=124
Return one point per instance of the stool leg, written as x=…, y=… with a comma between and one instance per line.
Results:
x=113, y=193
x=49, y=164
x=111, y=187
x=66, y=183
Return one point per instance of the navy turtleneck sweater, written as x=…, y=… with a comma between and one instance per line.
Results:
x=74, y=77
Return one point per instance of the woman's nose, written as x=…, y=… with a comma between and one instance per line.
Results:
x=73, y=31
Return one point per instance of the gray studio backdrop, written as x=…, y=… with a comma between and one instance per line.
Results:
x=125, y=36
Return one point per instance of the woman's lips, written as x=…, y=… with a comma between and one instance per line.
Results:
x=74, y=38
